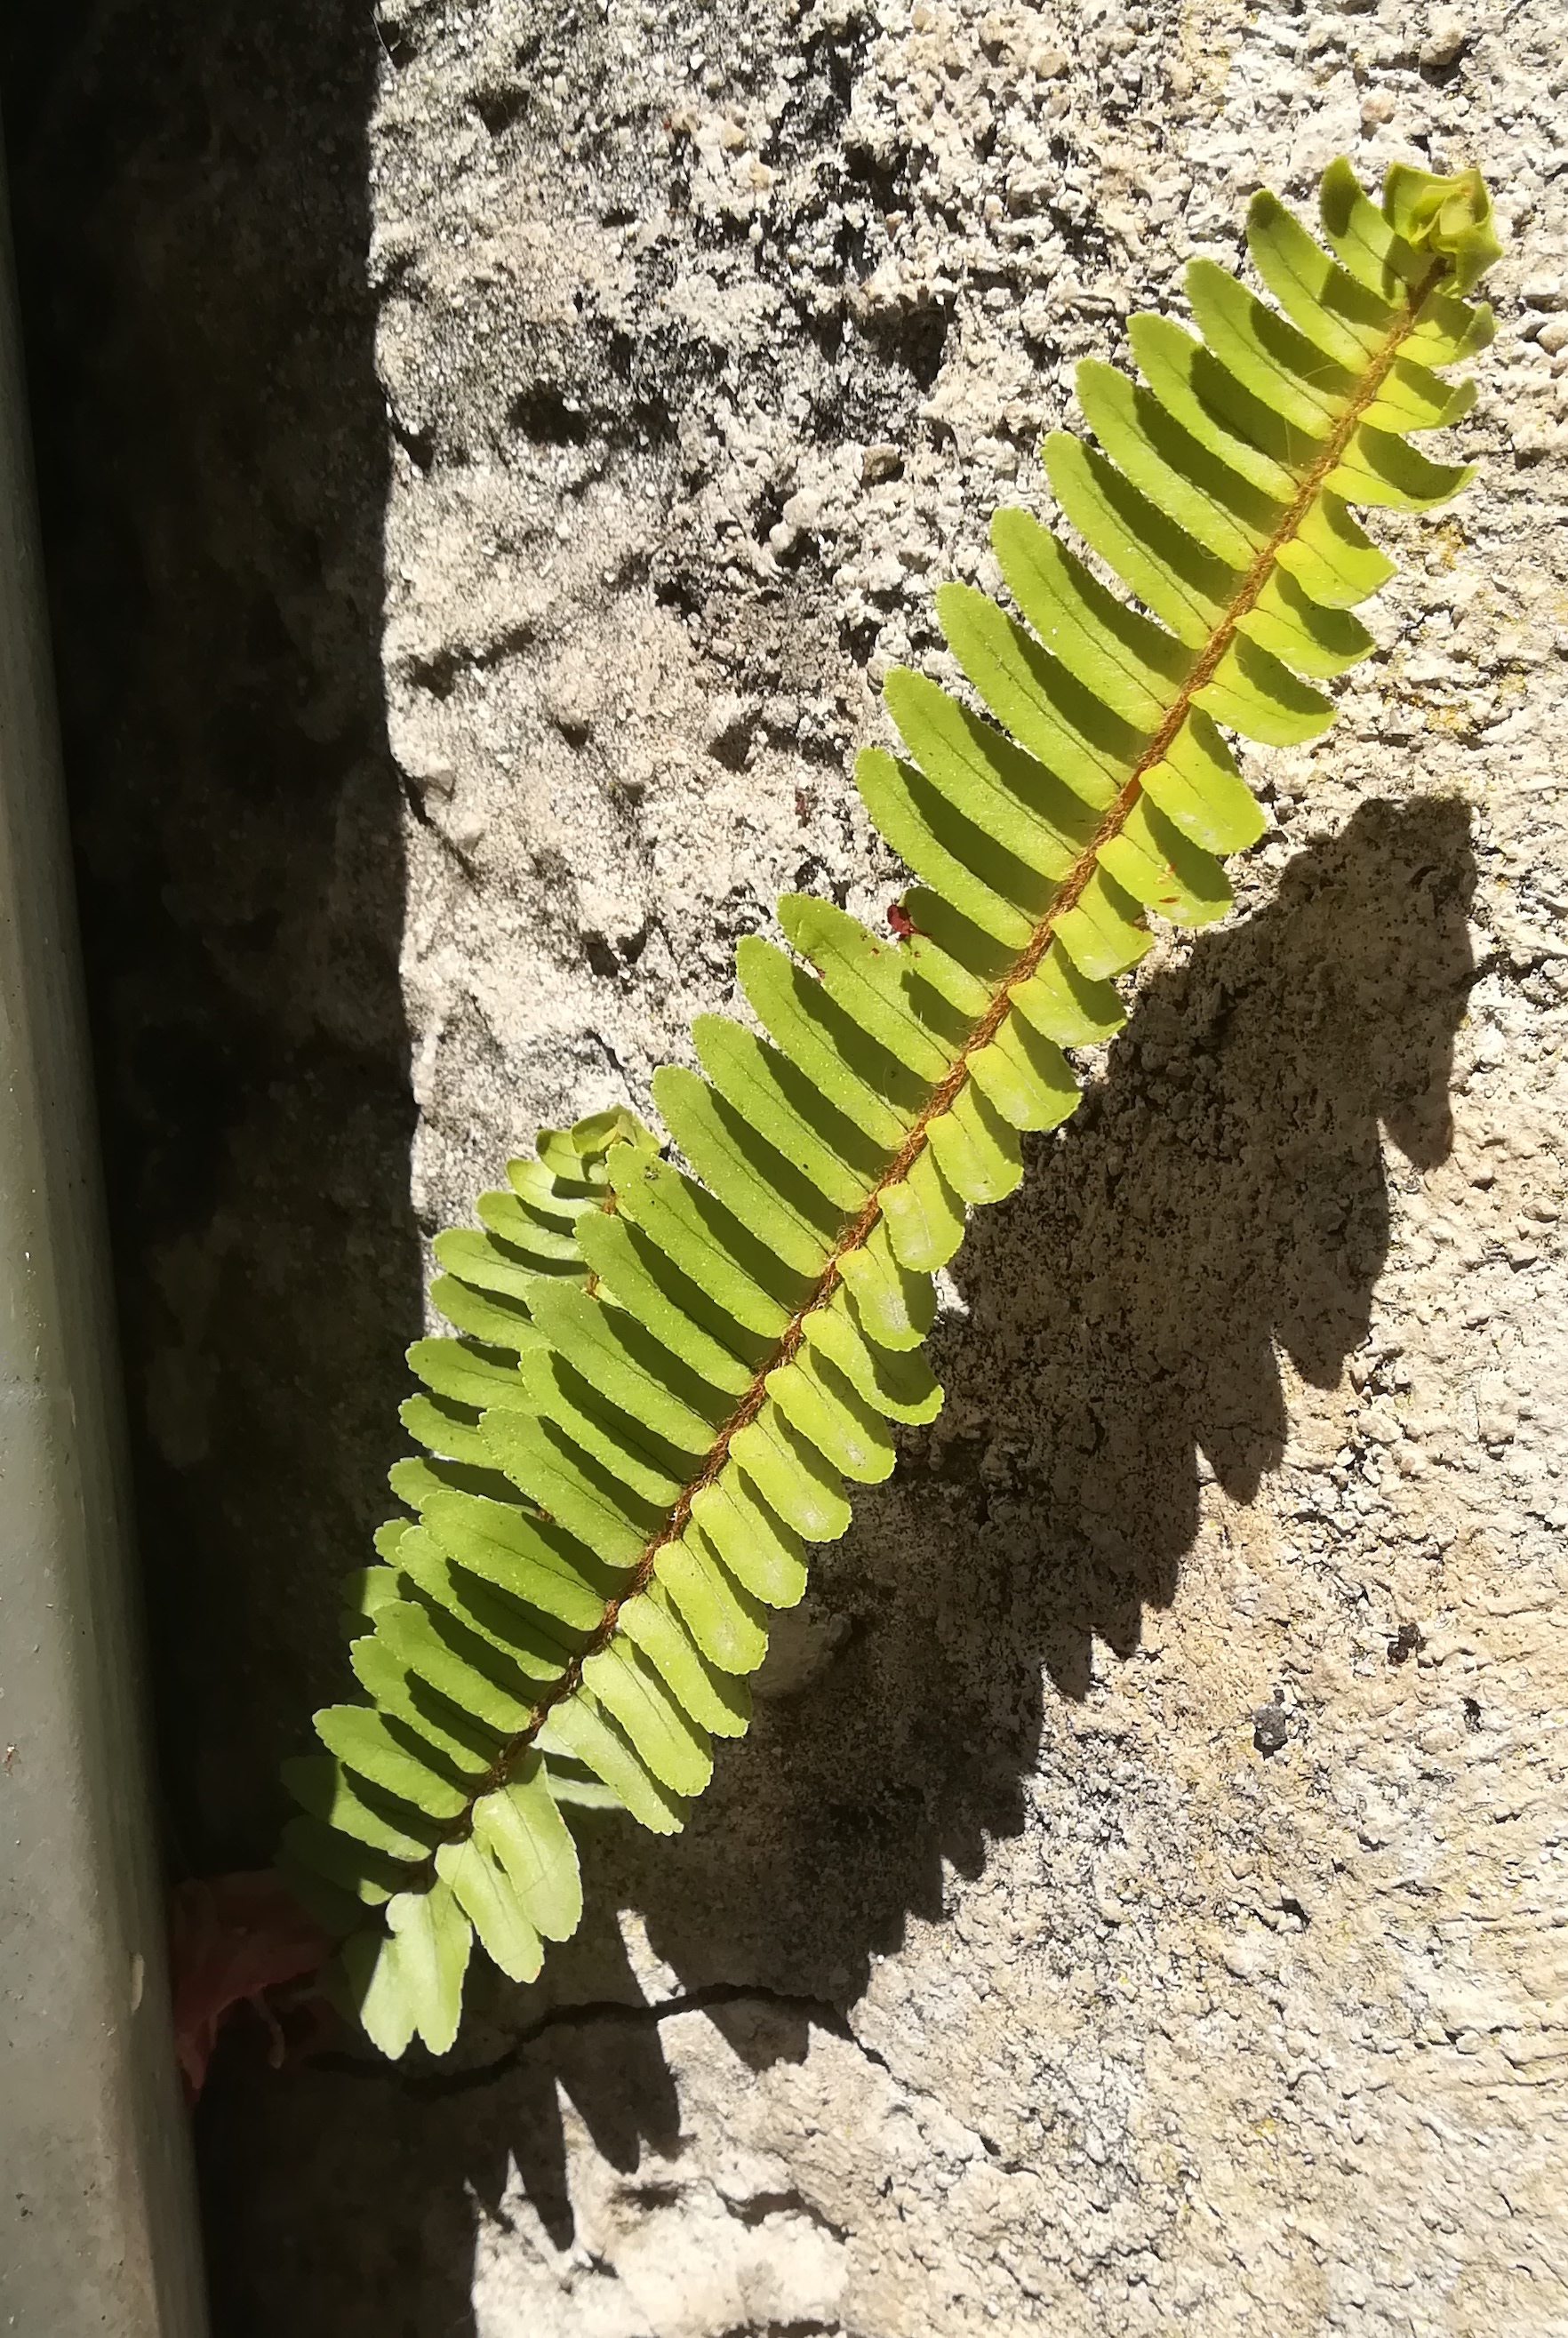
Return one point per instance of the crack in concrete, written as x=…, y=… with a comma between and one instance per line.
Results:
x=807, y=2329
x=439, y=2084
x=759, y=2205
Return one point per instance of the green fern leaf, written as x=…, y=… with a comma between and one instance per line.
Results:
x=662, y=1380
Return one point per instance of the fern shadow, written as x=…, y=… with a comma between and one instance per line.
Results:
x=1220, y=1199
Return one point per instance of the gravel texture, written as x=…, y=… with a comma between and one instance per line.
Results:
x=490, y=457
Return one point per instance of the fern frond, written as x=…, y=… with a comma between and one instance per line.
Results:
x=663, y=1379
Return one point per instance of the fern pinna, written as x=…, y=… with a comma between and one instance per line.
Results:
x=661, y=1378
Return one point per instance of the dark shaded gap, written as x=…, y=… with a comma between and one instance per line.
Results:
x=191, y=192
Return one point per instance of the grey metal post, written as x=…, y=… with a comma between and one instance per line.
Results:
x=97, y=2222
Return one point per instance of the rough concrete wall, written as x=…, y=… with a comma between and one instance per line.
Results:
x=1139, y=1903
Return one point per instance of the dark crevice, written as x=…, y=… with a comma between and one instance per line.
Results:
x=600, y=955
x=546, y=414
x=916, y=342
x=603, y=387
x=440, y=674
x=397, y=43
x=885, y=178
x=500, y=109
x=419, y=445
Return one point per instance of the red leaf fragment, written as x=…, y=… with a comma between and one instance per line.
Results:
x=232, y=1938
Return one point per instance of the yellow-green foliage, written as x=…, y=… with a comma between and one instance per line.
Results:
x=664, y=1379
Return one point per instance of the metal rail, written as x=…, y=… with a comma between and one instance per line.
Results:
x=97, y=2219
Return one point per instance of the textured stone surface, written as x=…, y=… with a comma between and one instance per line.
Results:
x=1140, y=1901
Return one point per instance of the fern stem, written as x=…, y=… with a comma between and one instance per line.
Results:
x=985, y=1030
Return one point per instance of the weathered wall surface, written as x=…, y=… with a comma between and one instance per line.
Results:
x=1140, y=1902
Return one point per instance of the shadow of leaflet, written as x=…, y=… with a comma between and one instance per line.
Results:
x=1221, y=1197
